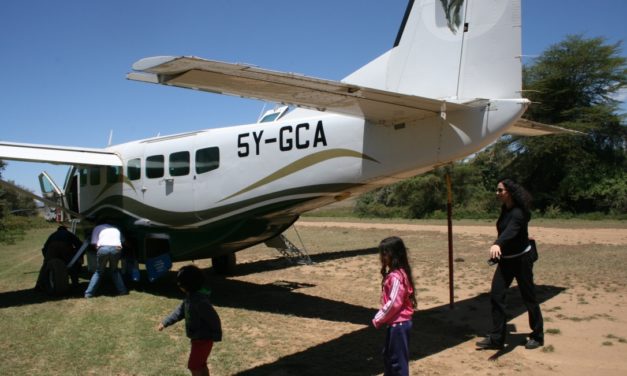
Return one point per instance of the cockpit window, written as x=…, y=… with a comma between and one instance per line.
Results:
x=83, y=176
x=94, y=175
x=113, y=174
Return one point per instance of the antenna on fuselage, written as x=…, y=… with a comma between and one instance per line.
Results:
x=110, y=137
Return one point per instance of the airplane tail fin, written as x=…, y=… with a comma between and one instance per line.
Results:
x=452, y=49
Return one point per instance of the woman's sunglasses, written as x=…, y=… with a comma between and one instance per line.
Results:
x=500, y=190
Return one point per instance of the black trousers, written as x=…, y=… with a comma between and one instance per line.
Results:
x=520, y=268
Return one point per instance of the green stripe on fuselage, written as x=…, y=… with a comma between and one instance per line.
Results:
x=302, y=164
x=180, y=219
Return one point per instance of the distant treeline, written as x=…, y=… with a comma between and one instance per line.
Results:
x=573, y=84
x=17, y=214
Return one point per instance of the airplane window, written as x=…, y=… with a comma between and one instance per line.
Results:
x=274, y=114
x=154, y=166
x=133, y=169
x=47, y=187
x=269, y=118
x=207, y=159
x=94, y=175
x=83, y=176
x=179, y=163
x=113, y=174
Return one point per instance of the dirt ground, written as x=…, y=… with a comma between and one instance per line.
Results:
x=563, y=236
x=282, y=319
x=581, y=279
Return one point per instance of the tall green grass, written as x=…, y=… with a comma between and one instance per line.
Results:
x=14, y=227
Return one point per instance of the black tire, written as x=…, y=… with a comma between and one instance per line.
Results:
x=224, y=265
x=56, y=280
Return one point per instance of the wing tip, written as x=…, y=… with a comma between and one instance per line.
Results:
x=147, y=63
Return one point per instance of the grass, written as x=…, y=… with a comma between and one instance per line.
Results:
x=75, y=336
x=617, y=338
x=277, y=319
x=553, y=331
x=13, y=227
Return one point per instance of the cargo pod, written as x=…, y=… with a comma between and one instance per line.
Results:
x=157, y=255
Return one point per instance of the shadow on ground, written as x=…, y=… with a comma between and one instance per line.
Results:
x=356, y=353
x=282, y=263
x=359, y=352
x=31, y=296
x=434, y=330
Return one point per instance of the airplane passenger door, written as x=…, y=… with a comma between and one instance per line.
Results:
x=206, y=183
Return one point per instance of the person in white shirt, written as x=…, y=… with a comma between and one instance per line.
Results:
x=108, y=242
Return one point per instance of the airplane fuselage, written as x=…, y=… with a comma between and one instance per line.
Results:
x=217, y=191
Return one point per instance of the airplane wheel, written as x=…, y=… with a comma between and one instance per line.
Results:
x=224, y=265
x=56, y=277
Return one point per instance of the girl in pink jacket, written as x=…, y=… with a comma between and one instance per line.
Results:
x=398, y=301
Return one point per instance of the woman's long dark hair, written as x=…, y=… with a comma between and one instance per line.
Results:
x=396, y=250
x=519, y=195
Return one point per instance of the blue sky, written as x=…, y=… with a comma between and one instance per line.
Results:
x=64, y=62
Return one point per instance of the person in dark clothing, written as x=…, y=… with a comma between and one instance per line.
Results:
x=61, y=244
x=202, y=323
x=511, y=250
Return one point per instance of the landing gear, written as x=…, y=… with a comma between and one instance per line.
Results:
x=225, y=264
x=55, y=281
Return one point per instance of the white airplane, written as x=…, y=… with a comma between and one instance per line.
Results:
x=450, y=85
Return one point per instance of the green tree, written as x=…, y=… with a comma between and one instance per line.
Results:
x=573, y=85
x=14, y=202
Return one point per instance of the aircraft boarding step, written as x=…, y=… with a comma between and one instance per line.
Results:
x=288, y=250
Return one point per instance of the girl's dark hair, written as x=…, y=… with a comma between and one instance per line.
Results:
x=519, y=195
x=190, y=278
x=396, y=250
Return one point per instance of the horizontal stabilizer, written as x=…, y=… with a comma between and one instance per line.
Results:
x=58, y=154
x=377, y=106
x=524, y=127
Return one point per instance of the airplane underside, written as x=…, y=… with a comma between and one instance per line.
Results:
x=214, y=239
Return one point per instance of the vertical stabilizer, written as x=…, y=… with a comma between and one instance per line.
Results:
x=452, y=49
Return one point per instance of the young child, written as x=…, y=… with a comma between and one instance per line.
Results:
x=202, y=323
x=398, y=301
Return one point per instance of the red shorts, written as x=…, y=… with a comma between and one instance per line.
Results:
x=201, y=348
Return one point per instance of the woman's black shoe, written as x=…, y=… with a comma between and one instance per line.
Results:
x=534, y=344
x=488, y=344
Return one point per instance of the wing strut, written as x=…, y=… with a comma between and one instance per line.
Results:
x=50, y=203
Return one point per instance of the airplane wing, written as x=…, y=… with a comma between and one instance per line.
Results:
x=524, y=127
x=58, y=154
x=378, y=106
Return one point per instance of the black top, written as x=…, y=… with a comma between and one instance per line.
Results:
x=62, y=235
x=201, y=319
x=512, y=227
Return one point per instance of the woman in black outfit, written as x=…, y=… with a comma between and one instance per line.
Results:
x=512, y=252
